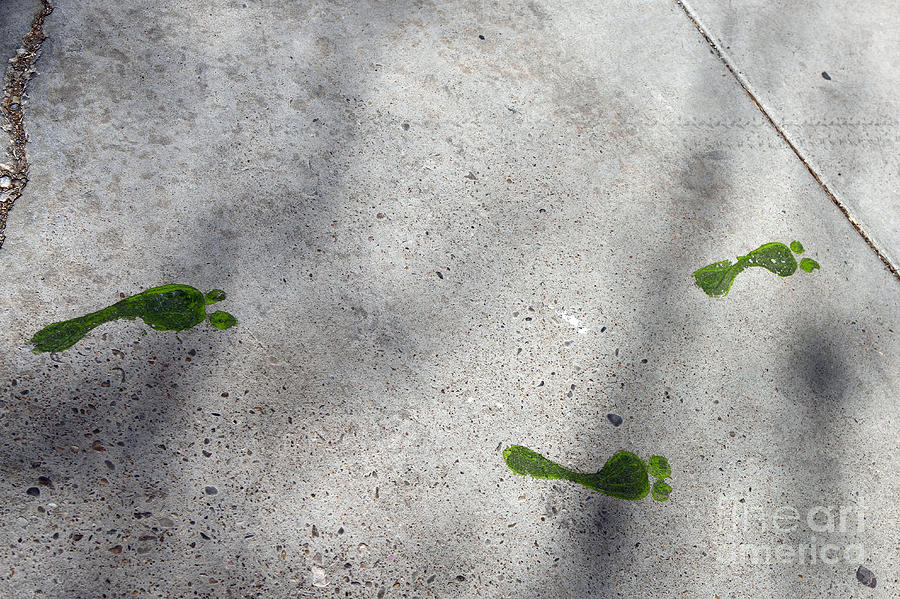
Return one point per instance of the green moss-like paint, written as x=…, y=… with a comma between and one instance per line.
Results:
x=716, y=279
x=659, y=467
x=661, y=490
x=624, y=475
x=222, y=320
x=215, y=295
x=808, y=265
x=166, y=308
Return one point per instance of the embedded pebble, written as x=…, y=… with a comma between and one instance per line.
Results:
x=319, y=579
x=866, y=577
x=614, y=418
x=210, y=490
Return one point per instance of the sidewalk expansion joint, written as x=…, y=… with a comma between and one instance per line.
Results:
x=14, y=176
x=746, y=87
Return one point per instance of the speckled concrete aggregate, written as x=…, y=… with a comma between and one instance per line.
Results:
x=444, y=228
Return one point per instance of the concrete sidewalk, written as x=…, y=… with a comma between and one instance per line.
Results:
x=446, y=228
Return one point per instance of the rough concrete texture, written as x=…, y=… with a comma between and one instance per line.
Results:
x=827, y=73
x=15, y=19
x=436, y=245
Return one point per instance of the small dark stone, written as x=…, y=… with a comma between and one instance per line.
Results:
x=460, y=578
x=481, y=37
x=405, y=126
x=45, y=482
x=614, y=418
x=341, y=530
x=33, y=491
x=210, y=490
x=827, y=77
x=440, y=274
x=865, y=576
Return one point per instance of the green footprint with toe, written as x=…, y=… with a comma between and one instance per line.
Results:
x=716, y=279
x=624, y=476
x=167, y=308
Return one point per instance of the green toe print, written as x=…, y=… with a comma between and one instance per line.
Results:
x=661, y=490
x=659, y=467
x=808, y=265
x=716, y=279
x=624, y=475
x=166, y=308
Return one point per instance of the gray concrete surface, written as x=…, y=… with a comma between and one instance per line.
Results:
x=437, y=245
x=827, y=73
x=15, y=19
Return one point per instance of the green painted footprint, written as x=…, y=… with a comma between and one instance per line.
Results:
x=166, y=308
x=716, y=279
x=624, y=475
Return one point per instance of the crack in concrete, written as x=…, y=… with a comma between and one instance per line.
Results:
x=14, y=176
x=746, y=87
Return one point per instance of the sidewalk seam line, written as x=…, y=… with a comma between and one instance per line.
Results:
x=746, y=87
x=19, y=71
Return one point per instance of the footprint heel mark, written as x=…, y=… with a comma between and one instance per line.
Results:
x=716, y=279
x=166, y=308
x=624, y=476
x=60, y=336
